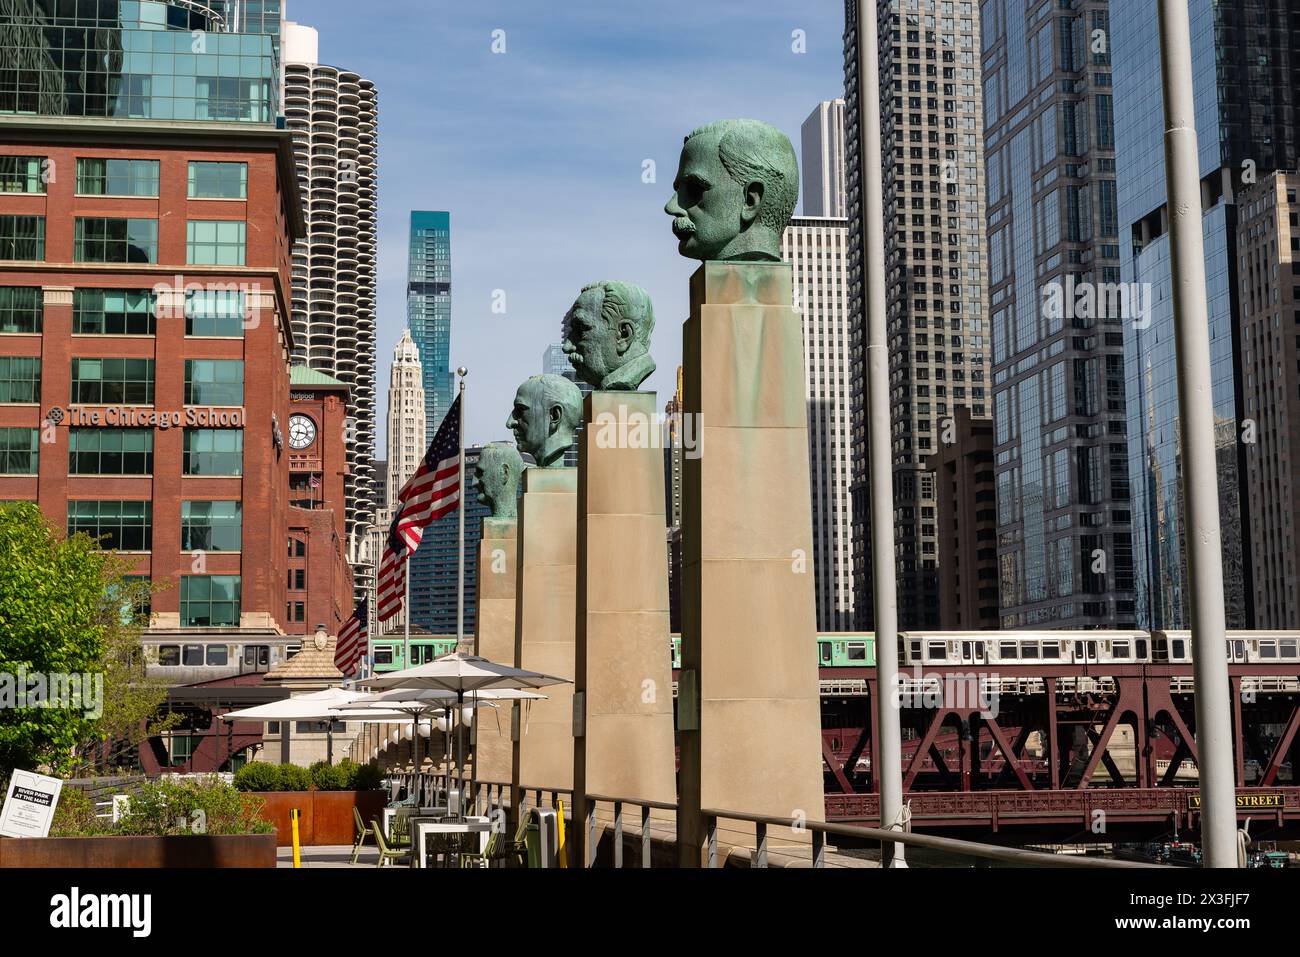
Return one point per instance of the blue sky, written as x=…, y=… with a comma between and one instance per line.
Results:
x=538, y=152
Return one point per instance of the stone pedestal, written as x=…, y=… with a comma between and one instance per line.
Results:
x=544, y=625
x=495, y=640
x=748, y=708
x=624, y=654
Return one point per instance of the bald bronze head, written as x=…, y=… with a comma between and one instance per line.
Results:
x=546, y=412
x=496, y=478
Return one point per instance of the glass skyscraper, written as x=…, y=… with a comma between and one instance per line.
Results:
x=1245, y=73
x=428, y=311
x=134, y=59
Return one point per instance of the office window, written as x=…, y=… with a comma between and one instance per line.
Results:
x=22, y=174
x=126, y=526
x=214, y=382
x=113, y=312
x=22, y=238
x=211, y=526
x=117, y=177
x=21, y=308
x=218, y=180
x=105, y=240
x=297, y=579
x=213, y=452
x=112, y=381
x=20, y=379
x=210, y=601
x=110, y=452
x=19, y=453
x=215, y=242
x=214, y=312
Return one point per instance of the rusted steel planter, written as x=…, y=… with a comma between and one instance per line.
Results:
x=190, y=850
x=325, y=817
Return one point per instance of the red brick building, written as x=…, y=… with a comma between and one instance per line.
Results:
x=145, y=380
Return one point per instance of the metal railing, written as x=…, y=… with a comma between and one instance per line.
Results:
x=646, y=807
x=819, y=831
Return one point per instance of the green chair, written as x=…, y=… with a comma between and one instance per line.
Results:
x=401, y=836
x=387, y=853
x=492, y=851
x=516, y=851
x=363, y=830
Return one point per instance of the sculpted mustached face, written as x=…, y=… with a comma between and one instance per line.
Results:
x=705, y=201
x=587, y=342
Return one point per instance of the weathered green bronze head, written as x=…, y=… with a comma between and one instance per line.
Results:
x=496, y=477
x=547, y=410
x=736, y=188
x=607, y=335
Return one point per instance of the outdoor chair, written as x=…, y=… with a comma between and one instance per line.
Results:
x=515, y=853
x=492, y=851
x=401, y=836
x=386, y=853
x=363, y=829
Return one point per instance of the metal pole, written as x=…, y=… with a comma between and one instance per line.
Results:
x=460, y=510
x=885, y=593
x=1196, y=432
x=406, y=613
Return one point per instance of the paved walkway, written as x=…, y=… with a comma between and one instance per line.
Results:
x=333, y=855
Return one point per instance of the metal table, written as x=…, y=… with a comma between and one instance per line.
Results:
x=420, y=829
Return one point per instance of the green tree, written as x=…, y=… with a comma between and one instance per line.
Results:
x=68, y=607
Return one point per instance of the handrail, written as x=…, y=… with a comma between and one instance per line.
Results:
x=1008, y=855
x=618, y=802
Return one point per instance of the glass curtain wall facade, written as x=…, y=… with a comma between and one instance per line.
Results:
x=1064, y=529
x=134, y=59
x=428, y=311
x=1245, y=75
x=434, y=565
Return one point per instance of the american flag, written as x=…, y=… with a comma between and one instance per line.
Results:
x=434, y=490
x=392, y=570
x=352, y=640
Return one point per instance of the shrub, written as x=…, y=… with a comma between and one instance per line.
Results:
x=74, y=816
x=329, y=777
x=294, y=778
x=259, y=776
x=191, y=806
x=365, y=777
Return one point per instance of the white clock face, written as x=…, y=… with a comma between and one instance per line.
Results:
x=302, y=432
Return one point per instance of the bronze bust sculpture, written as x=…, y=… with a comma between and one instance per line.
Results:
x=546, y=413
x=607, y=335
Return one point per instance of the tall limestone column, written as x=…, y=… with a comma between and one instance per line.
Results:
x=749, y=712
x=624, y=657
x=495, y=640
x=547, y=410
x=544, y=624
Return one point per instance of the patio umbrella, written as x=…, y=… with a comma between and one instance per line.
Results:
x=462, y=673
x=331, y=704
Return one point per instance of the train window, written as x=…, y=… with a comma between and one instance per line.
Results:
x=1141, y=647
x=1051, y=649
x=383, y=654
x=1009, y=649
x=1078, y=651
x=192, y=655
x=967, y=650
x=257, y=655
x=916, y=650
x=1029, y=649
x=1267, y=649
x=857, y=651
x=291, y=650
x=1287, y=647
x=1179, y=646
x=936, y=650
x=1092, y=650
x=1119, y=649
x=217, y=655
x=825, y=648
x=169, y=655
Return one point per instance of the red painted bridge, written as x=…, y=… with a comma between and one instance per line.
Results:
x=1061, y=750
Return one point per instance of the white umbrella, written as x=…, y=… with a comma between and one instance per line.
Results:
x=331, y=704
x=462, y=673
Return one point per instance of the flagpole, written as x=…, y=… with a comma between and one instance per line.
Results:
x=460, y=594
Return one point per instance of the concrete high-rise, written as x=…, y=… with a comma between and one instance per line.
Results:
x=1245, y=60
x=933, y=154
x=968, y=528
x=822, y=168
x=1268, y=237
x=818, y=251
x=1064, y=534
x=428, y=311
x=406, y=445
x=333, y=114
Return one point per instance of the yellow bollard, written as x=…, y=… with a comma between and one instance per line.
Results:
x=293, y=819
x=561, y=852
